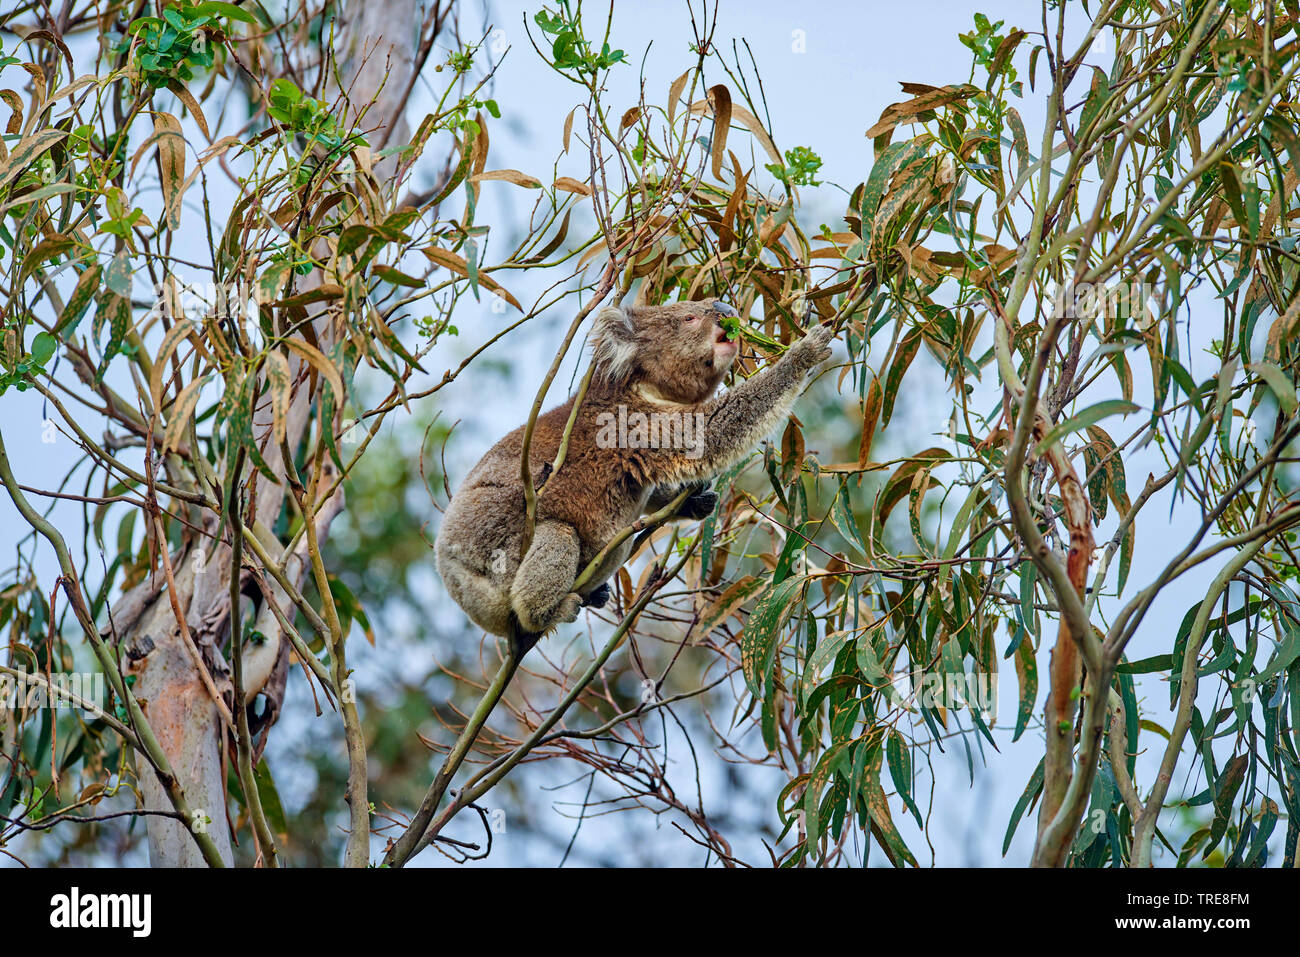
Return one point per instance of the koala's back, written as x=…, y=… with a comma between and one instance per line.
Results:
x=477, y=549
x=479, y=542
x=483, y=526
x=597, y=492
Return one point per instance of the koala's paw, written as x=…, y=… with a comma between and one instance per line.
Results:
x=699, y=505
x=567, y=609
x=598, y=597
x=815, y=347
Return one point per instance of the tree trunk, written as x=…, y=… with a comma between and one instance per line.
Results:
x=377, y=58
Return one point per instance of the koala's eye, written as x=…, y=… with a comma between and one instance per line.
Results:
x=692, y=319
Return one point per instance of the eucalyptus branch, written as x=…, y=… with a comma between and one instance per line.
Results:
x=358, y=848
x=243, y=740
x=1145, y=824
x=480, y=784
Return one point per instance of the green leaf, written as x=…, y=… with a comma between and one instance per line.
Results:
x=1126, y=555
x=842, y=517
x=825, y=654
x=1089, y=416
x=348, y=605
x=1282, y=386
x=270, y=796
x=1097, y=97
x=758, y=642
x=1225, y=790
x=116, y=310
x=1259, y=844
x=1027, y=674
x=900, y=769
x=1287, y=651
x=1146, y=666
x=227, y=10
x=894, y=158
x=26, y=151
x=43, y=347
x=869, y=664
x=907, y=349
x=120, y=276
x=351, y=239
x=882, y=823
x=817, y=781
x=270, y=285
x=1031, y=791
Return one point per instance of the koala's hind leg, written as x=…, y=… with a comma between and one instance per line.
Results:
x=542, y=594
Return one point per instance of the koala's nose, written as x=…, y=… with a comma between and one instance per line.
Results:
x=722, y=309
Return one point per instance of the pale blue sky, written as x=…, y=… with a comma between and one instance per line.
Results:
x=853, y=57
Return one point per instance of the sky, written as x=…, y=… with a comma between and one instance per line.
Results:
x=828, y=69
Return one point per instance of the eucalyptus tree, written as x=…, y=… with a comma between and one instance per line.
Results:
x=1115, y=293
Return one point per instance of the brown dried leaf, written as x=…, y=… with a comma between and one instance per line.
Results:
x=321, y=363
x=674, y=93
x=280, y=384
x=509, y=176
x=932, y=99
x=456, y=264
x=191, y=104
x=171, y=166
x=720, y=99
x=571, y=185
x=749, y=121
x=568, y=128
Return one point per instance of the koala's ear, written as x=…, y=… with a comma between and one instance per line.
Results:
x=613, y=346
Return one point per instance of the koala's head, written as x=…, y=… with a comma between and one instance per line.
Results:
x=677, y=353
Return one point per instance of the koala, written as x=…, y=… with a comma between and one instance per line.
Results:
x=649, y=426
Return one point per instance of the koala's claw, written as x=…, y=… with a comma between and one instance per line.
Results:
x=598, y=597
x=699, y=505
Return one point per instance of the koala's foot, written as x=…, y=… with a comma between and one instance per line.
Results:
x=598, y=597
x=567, y=609
x=521, y=639
x=699, y=505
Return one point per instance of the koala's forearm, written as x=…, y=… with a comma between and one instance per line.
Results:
x=735, y=421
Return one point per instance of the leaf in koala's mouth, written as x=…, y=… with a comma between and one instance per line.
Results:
x=726, y=347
